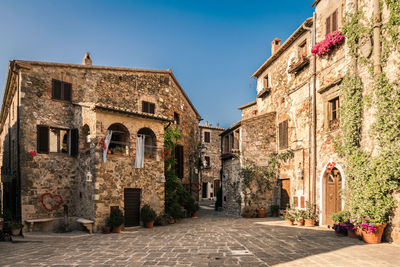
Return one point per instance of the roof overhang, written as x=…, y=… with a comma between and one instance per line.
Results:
x=248, y=105
x=315, y=3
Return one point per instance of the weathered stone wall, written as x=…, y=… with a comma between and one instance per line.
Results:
x=232, y=198
x=212, y=150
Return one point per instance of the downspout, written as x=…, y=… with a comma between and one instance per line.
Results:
x=376, y=38
x=19, y=200
x=314, y=118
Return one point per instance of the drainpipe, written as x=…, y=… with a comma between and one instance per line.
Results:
x=314, y=118
x=376, y=38
x=19, y=200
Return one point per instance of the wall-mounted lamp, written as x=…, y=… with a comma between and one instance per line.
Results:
x=161, y=179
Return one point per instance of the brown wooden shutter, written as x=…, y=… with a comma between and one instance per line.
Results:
x=56, y=89
x=67, y=91
x=74, y=142
x=42, y=139
x=283, y=135
x=152, y=107
x=207, y=137
x=286, y=137
x=328, y=25
x=334, y=21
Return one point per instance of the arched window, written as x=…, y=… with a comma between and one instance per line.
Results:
x=149, y=141
x=119, y=143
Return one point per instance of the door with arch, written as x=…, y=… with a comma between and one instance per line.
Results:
x=333, y=202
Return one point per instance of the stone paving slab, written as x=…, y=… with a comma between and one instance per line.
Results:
x=211, y=240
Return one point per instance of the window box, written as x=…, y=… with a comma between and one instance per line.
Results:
x=299, y=64
x=331, y=42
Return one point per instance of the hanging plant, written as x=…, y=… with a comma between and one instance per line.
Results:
x=325, y=47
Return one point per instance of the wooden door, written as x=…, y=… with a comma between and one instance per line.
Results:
x=217, y=186
x=132, y=206
x=205, y=187
x=333, y=202
x=285, y=193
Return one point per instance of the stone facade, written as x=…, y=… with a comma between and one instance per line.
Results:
x=102, y=98
x=210, y=176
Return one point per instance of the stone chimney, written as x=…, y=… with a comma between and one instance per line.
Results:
x=276, y=43
x=86, y=60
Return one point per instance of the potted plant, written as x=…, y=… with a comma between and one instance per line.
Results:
x=309, y=215
x=16, y=227
x=194, y=210
x=248, y=212
x=289, y=216
x=162, y=219
x=274, y=210
x=340, y=218
x=300, y=214
x=261, y=211
x=372, y=231
x=116, y=220
x=148, y=215
x=107, y=227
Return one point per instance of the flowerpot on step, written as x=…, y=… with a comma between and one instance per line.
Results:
x=309, y=222
x=261, y=213
x=195, y=215
x=374, y=237
x=289, y=222
x=117, y=229
x=149, y=224
x=300, y=223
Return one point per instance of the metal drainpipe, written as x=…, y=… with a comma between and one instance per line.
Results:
x=376, y=37
x=314, y=118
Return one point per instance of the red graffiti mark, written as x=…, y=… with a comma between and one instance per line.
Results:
x=51, y=196
x=165, y=155
x=195, y=188
x=32, y=153
x=330, y=167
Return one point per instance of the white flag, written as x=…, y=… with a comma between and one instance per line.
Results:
x=106, y=144
x=139, y=159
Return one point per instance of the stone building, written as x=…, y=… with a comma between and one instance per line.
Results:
x=210, y=174
x=54, y=120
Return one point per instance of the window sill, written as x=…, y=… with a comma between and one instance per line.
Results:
x=62, y=101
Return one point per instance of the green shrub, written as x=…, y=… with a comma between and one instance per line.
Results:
x=341, y=217
x=274, y=208
x=116, y=218
x=147, y=214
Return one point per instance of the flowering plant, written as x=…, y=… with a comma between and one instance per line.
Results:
x=368, y=225
x=331, y=41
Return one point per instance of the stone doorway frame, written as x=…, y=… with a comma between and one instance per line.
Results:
x=322, y=189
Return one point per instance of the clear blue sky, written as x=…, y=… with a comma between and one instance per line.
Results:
x=212, y=46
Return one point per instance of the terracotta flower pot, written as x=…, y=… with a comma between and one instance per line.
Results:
x=309, y=222
x=16, y=232
x=149, y=224
x=195, y=215
x=300, y=223
x=289, y=222
x=117, y=229
x=247, y=215
x=275, y=214
x=374, y=238
x=353, y=233
x=261, y=213
x=107, y=229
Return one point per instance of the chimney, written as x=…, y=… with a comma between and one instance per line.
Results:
x=276, y=43
x=86, y=60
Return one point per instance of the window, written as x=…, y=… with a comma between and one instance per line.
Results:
x=207, y=137
x=303, y=49
x=61, y=90
x=148, y=107
x=179, y=161
x=149, y=142
x=283, y=135
x=334, y=113
x=331, y=22
x=57, y=140
x=207, y=159
x=119, y=143
x=176, y=118
x=266, y=81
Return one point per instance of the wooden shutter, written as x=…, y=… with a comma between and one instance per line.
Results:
x=334, y=21
x=283, y=135
x=67, y=91
x=144, y=106
x=152, y=108
x=74, y=142
x=207, y=137
x=56, y=89
x=328, y=25
x=42, y=139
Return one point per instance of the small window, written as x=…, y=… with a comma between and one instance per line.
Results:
x=207, y=137
x=148, y=107
x=331, y=22
x=176, y=118
x=283, y=135
x=266, y=81
x=303, y=49
x=334, y=113
x=149, y=142
x=207, y=159
x=119, y=143
x=61, y=90
x=59, y=140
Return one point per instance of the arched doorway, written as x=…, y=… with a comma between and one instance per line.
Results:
x=333, y=201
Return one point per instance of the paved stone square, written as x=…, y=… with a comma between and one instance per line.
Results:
x=211, y=240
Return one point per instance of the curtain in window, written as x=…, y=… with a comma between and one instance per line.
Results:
x=106, y=143
x=139, y=159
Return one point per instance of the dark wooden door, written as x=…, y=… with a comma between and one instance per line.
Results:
x=132, y=206
x=217, y=186
x=205, y=187
x=285, y=193
x=333, y=202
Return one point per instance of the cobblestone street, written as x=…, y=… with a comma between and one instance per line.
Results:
x=211, y=240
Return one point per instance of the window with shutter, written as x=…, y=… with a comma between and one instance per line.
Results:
x=176, y=118
x=207, y=137
x=283, y=135
x=207, y=159
x=334, y=21
x=67, y=91
x=74, y=142
x=328, y=25
x=56, y=92
x=61, y=90
x=148, y=107
x=43, y=139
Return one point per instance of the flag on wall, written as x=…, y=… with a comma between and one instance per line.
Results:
x=106, y=142
x=139, y=159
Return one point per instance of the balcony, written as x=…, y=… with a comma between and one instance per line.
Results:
x=297, y=65
x=264, y=92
